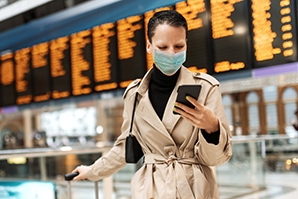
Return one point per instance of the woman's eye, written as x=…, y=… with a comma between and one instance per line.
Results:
x=162, y=47
x=179, y=47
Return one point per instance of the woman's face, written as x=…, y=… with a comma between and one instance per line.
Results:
x=168, y=39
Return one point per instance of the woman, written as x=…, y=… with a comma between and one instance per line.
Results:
x=179, y=148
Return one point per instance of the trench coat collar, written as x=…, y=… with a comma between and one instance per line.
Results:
x=147, y=112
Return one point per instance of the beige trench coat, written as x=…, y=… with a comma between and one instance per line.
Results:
x=177, y=156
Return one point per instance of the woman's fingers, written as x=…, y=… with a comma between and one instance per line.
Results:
x=200, y=116
x=81, y=170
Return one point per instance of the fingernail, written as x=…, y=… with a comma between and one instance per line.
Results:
x=176, y=104
x=187, y=97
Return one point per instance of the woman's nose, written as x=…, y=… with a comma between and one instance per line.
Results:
x=171, y=51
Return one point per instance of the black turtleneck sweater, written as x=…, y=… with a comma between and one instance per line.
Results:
x=160, y=89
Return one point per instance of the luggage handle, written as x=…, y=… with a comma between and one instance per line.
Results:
x=69, y=177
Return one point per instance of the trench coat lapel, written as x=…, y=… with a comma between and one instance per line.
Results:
x=147, y=113
x=169, y=119
x=145, y=109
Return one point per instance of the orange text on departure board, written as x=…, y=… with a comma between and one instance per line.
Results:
x=79, y=64
x=102, y=66
x=126, y=32
x=190, y=11
x=57, y=48
x=39, y=59
x=286, y=28
x=263, y=34
x=196, y=70
x=39, y=52
x=7, y=69
x=101, y=39
x=22, y=66
x=227, y=66
x=222, y=24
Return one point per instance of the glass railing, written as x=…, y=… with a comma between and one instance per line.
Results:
x=253, y=158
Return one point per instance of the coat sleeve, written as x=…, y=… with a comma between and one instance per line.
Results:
x=114, y=160
x=207, y=153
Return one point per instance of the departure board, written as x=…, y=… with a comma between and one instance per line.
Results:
x=197, y=43
x=40, y=72
x=105, y=57
x=274, y=32
x=230, y=33
x=224, y=36
x=7, y=79
x=131, y=49
x=23, y=73
x=60, y=67
x=147, y=17
x=81, y=62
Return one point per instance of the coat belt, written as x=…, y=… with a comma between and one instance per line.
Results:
x=175, y=179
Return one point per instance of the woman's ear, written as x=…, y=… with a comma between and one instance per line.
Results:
x=148, y=47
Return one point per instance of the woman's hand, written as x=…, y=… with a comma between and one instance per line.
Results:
x=82, y=173
x=201, y=117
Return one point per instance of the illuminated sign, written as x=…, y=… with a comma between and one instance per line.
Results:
x=105, y=57
x=60, y=67
x=230, y=33
x=40, y=72
x=131, y=49
x=7, y=80
x=23, y=76
x=274, y=32
x=81, y=63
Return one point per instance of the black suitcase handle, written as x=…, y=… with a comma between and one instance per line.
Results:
x=70, y=176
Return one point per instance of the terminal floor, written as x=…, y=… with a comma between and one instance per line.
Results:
x=279, y=186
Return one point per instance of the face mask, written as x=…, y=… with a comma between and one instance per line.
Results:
x=169, y=63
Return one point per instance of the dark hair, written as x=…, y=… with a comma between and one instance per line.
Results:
x=170, y=17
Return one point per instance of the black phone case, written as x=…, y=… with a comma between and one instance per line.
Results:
x=188, y=90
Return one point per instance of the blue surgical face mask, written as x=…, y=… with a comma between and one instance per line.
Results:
x=169, y=63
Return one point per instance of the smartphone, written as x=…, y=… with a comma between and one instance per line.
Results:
x=192, y=90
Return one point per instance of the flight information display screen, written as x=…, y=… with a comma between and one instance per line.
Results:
x=7, y=80
x=23, y=74
x=131, y=49
x=40, y=72
x=230, y=35
x=60, y=67
x=274, y=32
x=105, y=57
x=223, y=36
x=81, y=60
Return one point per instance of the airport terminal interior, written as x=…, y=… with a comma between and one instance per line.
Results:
x=65, y=64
